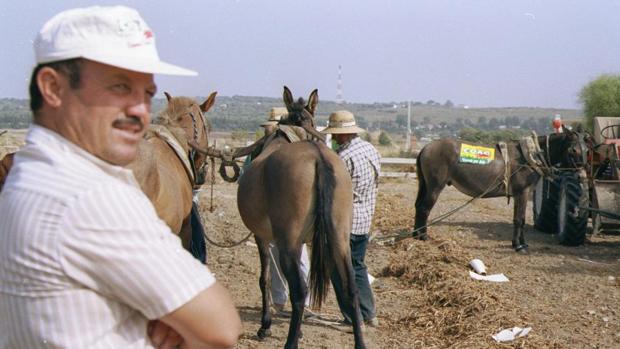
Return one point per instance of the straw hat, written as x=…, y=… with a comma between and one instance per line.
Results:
x=275, y=115
x=342, y=122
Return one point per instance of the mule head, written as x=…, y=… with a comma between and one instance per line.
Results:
x=185, y=114
x=300, y=112
x=567, y=149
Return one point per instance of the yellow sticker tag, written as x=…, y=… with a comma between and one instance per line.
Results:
x=474, y=154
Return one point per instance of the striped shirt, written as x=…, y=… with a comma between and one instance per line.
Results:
x=84, y=259
x=362, y=162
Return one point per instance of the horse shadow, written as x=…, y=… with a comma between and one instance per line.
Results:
x=253, y=315
x=542, y=243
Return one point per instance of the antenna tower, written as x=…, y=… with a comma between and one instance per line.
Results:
x=339, y=99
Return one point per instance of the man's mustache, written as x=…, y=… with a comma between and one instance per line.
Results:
x=129, y=121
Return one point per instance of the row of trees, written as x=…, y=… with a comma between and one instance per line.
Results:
x=600, y=97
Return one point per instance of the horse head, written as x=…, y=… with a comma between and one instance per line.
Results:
x=567, y=149
x=301, y=113
x=188, y=116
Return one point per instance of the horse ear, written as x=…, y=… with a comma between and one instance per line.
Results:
x=566, y=129
x=313, y=101
x=287, y=96
x=168, y=96
x=204, y=107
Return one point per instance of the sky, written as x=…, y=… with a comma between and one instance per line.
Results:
x=479, y=53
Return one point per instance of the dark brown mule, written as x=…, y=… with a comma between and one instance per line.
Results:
x=438, y=165
x=160, y=170
x=294, y=193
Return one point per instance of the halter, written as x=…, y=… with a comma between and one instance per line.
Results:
x=192, y=153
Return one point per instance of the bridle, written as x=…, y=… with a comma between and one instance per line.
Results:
x=199, y=173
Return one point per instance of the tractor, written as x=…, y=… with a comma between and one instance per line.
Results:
x=563, y=203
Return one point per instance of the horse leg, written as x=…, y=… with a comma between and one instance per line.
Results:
x=518, y=220
x=265, y=287
x=347, y=294
x=426, y=199
x=290, y=265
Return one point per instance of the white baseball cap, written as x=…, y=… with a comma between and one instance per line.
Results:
x=114, y=35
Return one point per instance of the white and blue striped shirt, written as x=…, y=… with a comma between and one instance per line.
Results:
x=84, y=259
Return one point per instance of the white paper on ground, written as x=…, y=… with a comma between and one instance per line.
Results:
x=371, y=279
x=493, y=278
x=511, y=334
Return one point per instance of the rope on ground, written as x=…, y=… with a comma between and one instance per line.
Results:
x=392, y=238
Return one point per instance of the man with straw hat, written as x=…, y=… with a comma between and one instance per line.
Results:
x=85, y=260
x=362, y=161
x=275, y=115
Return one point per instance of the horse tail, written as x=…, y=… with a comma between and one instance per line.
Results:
x=324, y=229
x=421, y=182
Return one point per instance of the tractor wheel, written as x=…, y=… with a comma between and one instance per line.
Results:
x=572, y=222
x=545, y=198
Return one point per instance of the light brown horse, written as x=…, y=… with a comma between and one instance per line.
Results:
x=5, y=165
x=294, y=193
x=159, y=169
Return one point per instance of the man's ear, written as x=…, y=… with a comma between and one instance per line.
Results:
x=50, y=84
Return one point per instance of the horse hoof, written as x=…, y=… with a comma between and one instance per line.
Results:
x=263, y=333
x=422, y=237
x=522, y=249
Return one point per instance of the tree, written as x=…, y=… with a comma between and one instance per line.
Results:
x=401, y=120
x=362, y=122
x=366, y=136
x=601, y=97
x=448, y=104
x=384, y=138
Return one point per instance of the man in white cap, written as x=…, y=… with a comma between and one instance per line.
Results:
x=85, y=262
x=362, y=161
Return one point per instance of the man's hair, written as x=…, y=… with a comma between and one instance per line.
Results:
x=71, y=68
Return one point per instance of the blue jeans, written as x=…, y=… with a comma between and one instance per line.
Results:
x=359, y=243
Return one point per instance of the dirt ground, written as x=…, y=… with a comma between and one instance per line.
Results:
x=569, y=296
x=425, y=297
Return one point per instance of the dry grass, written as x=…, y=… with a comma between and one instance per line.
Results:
x=448, y=309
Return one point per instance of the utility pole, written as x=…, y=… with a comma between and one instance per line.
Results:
x=408, y=145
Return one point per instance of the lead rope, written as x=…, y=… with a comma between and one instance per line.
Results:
x=400, y=236
x=211, y=209
x=212, y=183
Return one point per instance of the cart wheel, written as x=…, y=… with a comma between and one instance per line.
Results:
x=545, y=205
x=572, y=222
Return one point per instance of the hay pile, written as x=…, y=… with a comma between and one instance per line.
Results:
x=446, y=308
